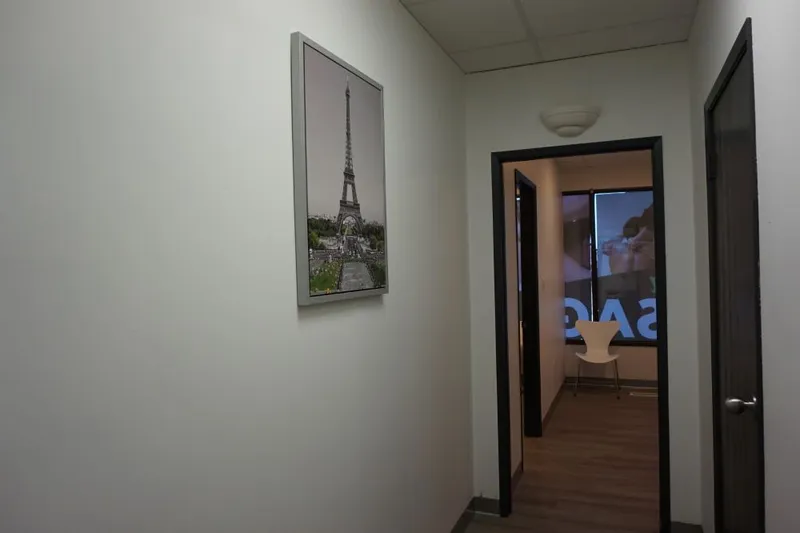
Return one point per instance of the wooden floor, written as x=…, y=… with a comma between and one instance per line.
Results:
x=594, y=471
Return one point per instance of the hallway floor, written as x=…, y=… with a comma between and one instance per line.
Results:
x=594, y=471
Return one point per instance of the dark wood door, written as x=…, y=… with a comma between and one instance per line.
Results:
x=529, y=305
x=735, y=298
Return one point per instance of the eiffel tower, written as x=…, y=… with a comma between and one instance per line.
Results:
x=349, y=208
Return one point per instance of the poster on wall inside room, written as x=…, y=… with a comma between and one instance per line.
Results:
x=339, y=177
x=610, y=263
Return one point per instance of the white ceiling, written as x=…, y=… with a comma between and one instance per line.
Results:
x=485, y=35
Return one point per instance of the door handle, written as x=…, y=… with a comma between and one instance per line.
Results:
x=738, y=406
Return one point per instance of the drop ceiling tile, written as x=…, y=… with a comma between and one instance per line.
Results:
x=614, y=39
x=502, y=56
x=549, y=18
x=459, y=25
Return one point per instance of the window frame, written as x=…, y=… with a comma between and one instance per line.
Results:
x=595, y=304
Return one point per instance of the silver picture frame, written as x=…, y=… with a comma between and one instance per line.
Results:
x=356, y=248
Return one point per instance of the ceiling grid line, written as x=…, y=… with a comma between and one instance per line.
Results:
x=618, y=26
x=546, y=61
x=487, y=35
x=528, y=29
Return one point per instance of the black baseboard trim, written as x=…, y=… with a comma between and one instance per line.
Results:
x=491, y=506
x=680, y=527
x=481, y=505
x=485, y=505
x=517, y=477
x=464, y=520
x=609, y=382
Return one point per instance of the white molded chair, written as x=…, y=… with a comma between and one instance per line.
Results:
x=597, y=336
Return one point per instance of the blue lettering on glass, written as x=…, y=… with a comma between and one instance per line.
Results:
x=613, y=310
x=582, y=312
x=647, y=323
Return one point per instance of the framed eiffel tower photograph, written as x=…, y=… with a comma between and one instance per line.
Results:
x=339, y=178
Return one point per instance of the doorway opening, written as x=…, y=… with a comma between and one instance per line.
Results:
x=597, y=265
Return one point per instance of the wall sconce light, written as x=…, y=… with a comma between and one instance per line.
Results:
x=570, y=120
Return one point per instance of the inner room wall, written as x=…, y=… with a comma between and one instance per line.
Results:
x=611, y=171
x=156, y=373
x=642, y=93
x=544, y=174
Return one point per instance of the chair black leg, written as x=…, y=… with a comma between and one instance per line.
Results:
x=616, y=377
x=577, y=379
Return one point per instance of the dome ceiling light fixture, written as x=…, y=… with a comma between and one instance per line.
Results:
x=570, y=120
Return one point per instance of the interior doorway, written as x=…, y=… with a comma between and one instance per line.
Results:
x=525, y=269
x=533, y=388
x=527, y=242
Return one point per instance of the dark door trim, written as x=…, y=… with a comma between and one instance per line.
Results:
x=531, y=363
x=742, y=45
x=654, y=144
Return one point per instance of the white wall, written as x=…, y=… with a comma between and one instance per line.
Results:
x=512, y=313
x=156, y=374
x=776, y=42
x=643, y=93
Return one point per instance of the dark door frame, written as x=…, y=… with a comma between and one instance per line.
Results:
x=742, y=45
x=531, y=364
x=654, y=144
